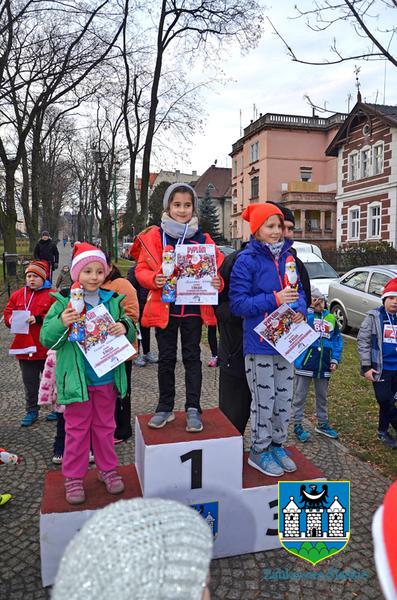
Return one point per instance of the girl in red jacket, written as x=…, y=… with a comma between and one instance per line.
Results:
x=179, y=224
x=35, y=298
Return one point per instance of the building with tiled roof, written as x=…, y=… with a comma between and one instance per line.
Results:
x=217, y=180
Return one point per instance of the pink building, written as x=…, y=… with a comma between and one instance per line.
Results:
x=282, y=158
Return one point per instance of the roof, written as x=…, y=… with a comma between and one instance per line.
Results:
x=336, y=506
x=218, y=177
x=385, y=112
x=291, y=506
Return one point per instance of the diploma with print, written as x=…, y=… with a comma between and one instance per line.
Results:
x=288, y=338
x=104, y=352
x=196, y=264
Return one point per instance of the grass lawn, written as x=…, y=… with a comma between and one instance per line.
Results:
x=124, y=265
x=353, y=411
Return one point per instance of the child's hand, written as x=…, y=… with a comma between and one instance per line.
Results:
x=287, y=296
x=216, y=282
x=117, y=329
x=69, y=316
x=298, y=317
x=370, y=374
x=160, y=280
x=333, y=367
x=31, y=320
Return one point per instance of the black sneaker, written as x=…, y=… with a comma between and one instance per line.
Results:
x=387, y=439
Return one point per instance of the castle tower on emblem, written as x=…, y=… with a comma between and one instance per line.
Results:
x=313, y=522
x=291, y=519
x=335, y=519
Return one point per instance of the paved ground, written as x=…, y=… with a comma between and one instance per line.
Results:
x=274, y=574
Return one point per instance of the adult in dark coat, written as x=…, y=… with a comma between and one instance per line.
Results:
x=46, y=249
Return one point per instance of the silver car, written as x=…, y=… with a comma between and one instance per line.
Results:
x=357, y=292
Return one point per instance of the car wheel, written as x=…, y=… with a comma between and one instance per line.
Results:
x=341, y=318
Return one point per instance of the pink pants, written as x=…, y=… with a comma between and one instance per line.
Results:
x=90, y=421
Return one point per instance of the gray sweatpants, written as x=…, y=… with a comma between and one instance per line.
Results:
x=302, y=385
x=270, y=379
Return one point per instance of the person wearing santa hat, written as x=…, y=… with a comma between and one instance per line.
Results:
x=384, y=534
x=377, y=348
x=90, y=400
x=257, y=288
x=35, y=299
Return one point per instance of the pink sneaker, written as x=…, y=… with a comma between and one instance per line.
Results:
x=74, y=490
x=113, y=482
x=213, y=362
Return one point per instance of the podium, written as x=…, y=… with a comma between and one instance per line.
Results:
x=206, y=470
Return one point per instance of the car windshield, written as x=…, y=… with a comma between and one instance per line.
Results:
x=320, y=270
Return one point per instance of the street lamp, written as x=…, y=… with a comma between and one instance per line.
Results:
x=116, y=246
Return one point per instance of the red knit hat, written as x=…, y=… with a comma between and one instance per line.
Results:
x=390, y=288
x=257, y=214
x=39, y=267
x=83, y=254
x=384, y=533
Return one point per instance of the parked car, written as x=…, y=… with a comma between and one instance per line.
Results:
x=357, y=292
x=321, y=274
x=226, y=250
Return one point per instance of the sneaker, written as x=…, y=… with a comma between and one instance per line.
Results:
x=74, y=490
x=300, y=433
x=213, y=362
x=325, y=429
x=52, y=416
x=4, y=498
x=113, y=482
x=281, y=457
x=140, y=361
x=91, y=457
x=387, y=439
x=194, y=422
x=57, y=459
x=30, y=418
x=265, y=463
x=160, y=419
x=151, y=358
x=117, y=441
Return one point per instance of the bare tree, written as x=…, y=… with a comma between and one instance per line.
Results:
x=373, y=23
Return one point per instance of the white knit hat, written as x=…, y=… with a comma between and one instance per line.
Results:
x=144, y=549
x=185, y=187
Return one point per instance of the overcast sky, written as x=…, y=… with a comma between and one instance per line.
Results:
x=268, y=78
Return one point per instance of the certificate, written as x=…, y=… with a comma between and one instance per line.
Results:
x=288, y=338
x=196, y=264
x=104, y=352
x=19, y=321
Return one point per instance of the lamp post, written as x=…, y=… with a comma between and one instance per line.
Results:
x=116, y=246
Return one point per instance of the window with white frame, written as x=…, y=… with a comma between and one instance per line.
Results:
x=374, y=220
x=378, y=158
x=353, y=166
x=254, y=152
x=354, y=223
x=365, y=162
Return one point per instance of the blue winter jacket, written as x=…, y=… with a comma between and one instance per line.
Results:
x=327, y=349
x=254, y=281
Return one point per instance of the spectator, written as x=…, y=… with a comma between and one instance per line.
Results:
x=64, y=280
x=46, y=249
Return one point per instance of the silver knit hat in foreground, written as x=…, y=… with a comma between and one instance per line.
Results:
x=144, y=549
x=170, y=189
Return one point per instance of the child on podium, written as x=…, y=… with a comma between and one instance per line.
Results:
x=257, y=288
x=90, y=400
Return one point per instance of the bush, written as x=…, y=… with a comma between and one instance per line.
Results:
x=359, y=255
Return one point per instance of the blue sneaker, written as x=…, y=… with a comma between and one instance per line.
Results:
x=282, y=458
x=300, y=433
x=52, y=416
x=265, y=463
x=30, y=417
x=325, y=429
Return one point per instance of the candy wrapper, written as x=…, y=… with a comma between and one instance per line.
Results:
x=6, y=458
x=291, y=277
x=170, y=270
x=77, y=329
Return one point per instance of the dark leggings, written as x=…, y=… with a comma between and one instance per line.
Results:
x=385, y=391
x=212, y=340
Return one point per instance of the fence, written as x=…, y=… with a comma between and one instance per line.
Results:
x=350, y=257
x=14, y=266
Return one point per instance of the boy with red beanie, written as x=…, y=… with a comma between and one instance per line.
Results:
x=35, y=298
x=377, y=348
x=257, y=289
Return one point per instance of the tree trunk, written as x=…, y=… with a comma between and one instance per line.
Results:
x=9, y=220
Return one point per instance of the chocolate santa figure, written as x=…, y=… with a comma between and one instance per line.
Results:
x=77, y=329
x=291, y=277
x=6, y=458
x=170, y=270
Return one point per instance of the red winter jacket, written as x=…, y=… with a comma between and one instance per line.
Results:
x=39, y=306
x=148, y=252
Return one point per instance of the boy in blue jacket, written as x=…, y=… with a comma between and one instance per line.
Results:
x=317, y=363
x=256, y=290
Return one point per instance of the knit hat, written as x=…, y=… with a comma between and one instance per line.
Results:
x=384, y=534
x=288, y=214
x=316, y=293
x=257, y=214
x=170, y=190
x=83, y=254
x=39, y=267
x=390, y=288
x=46, y=233
x=141, y=548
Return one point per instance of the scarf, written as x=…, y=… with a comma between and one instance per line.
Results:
x=275, y=249
x=179, y=230
x=92, y=298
